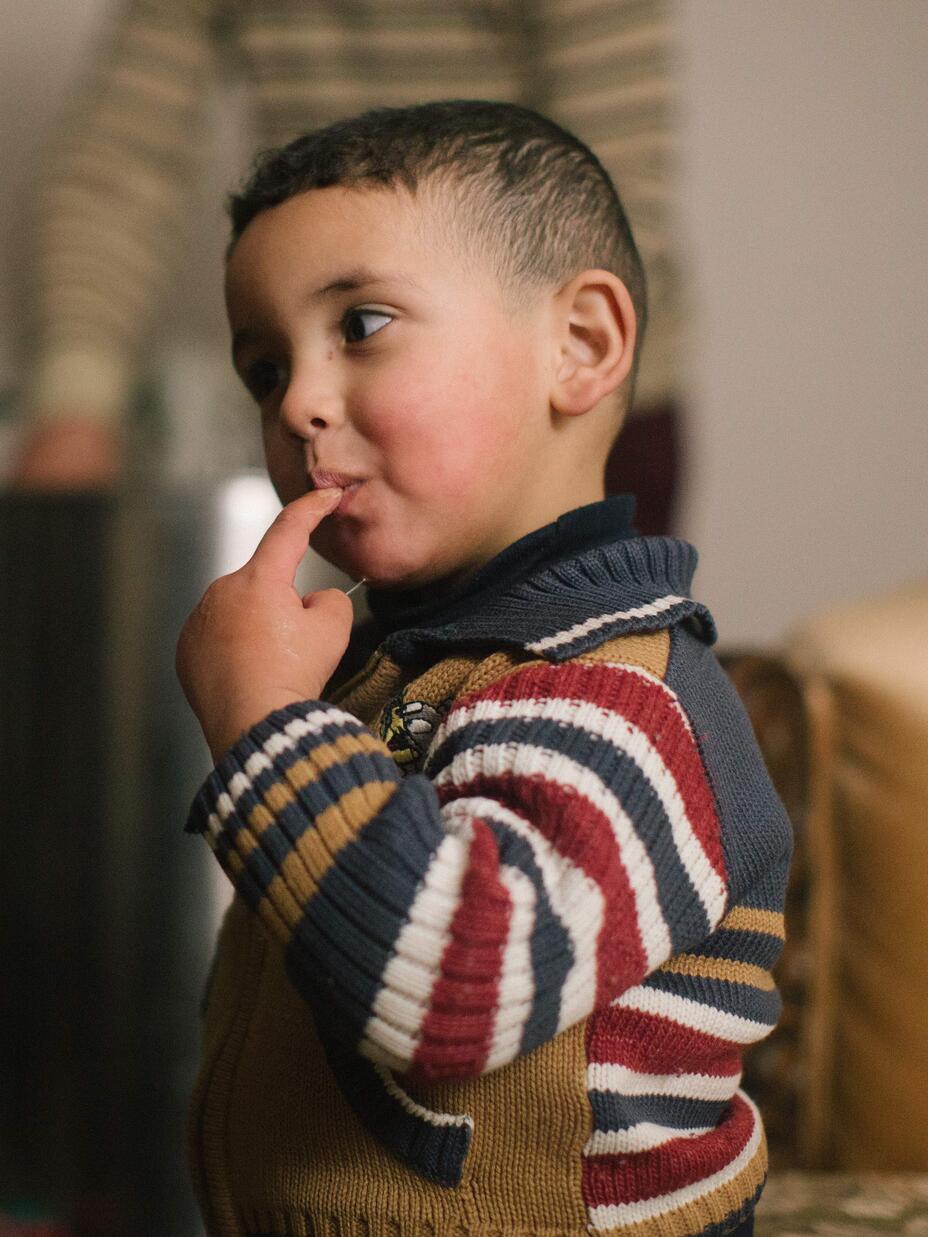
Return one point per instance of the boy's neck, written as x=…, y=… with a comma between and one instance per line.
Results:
x=572, y=532
x=549, y=502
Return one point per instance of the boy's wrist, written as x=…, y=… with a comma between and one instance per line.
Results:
x=237, y=720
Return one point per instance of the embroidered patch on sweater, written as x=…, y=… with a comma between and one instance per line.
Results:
x=407, y=726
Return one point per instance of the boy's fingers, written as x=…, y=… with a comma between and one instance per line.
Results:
x=331, y=606
x=331, y=616
x=281, y=549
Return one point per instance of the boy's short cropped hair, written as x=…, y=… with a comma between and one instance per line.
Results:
x=524, y=193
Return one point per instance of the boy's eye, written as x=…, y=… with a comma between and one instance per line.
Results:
x=360, y=324
x=262, y=378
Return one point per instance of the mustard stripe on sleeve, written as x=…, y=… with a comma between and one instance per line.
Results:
x=720, y=968
x=750, y=919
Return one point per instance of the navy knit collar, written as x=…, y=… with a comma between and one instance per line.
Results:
x=558, y=592
x=433, y=605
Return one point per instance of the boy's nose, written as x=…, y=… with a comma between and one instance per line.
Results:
x=310, y=406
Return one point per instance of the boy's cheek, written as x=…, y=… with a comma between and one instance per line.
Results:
x=286, y=469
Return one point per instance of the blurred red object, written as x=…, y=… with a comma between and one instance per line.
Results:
x=646, y=462
x=31, y=1223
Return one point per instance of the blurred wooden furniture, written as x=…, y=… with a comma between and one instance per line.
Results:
x=841, y=714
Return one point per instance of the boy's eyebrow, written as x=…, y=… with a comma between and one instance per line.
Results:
x=361, y=277
x=351, y=281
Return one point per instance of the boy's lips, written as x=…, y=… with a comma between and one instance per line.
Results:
x=328, y=478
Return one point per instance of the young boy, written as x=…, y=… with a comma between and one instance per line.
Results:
x=507, y=901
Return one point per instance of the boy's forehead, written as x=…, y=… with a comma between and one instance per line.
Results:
x=364, y=217
x=341, y=237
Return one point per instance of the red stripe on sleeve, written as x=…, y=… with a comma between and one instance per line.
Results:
x=652, y=1044
x=649, y=705
x=457, y=1030
x=581, y=833
x=630, y=1178
x=653, y=711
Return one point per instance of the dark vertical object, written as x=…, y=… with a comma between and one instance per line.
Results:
x=52, y=657
x=105, y=927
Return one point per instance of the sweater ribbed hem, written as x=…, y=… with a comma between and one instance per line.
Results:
x=710, y=1220
x=334, y=1225
x=343, y=1226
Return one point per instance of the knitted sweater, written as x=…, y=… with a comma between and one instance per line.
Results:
x=117, y=197
x=504, y=921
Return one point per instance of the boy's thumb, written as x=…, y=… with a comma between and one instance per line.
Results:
x=330, y=606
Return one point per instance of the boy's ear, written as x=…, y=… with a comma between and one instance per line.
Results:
x=595, y=329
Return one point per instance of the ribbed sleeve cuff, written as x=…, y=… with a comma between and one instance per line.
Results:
x=287, y=797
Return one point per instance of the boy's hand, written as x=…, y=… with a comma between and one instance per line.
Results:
x=253, y=644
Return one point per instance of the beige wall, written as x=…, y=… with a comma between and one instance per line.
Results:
x=803, y=215
x=802, y=221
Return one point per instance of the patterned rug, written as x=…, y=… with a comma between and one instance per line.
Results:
x=843, y=1205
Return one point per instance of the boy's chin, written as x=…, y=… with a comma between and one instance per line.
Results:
x=380, y=570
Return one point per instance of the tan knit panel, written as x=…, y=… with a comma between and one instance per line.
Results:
x=443, y=679
x=366, y=694
x=496, y=666
x=294, y=1143
x=294, y=1146
x=532, y=1120
x=234, y=984
x=456, y=675
x=650, y=651
x=443, y=682
x=283, y=1143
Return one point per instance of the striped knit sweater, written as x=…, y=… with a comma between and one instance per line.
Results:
x=117, y=196
x=504, y=921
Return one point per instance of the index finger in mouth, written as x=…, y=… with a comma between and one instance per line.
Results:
x=282, y=547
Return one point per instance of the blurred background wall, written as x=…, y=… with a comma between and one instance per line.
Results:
x=802, y=224
x=805, y=234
